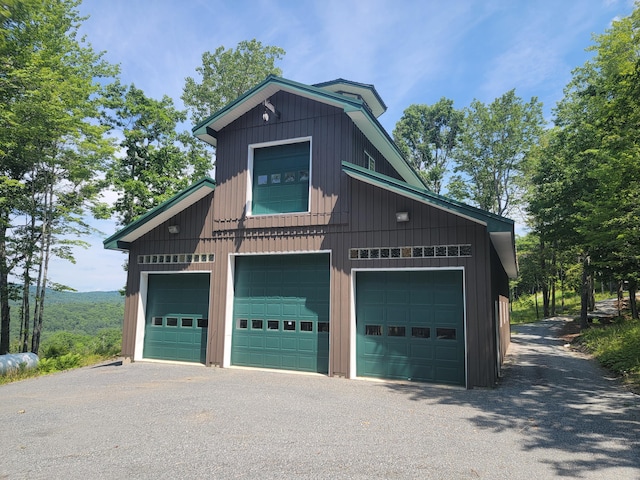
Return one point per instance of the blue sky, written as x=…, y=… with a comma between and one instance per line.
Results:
x=412, y=51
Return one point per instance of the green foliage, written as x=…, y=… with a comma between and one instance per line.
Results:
x=226, y=74
x=493, y=145
x=617, y=347
x=52, y=144
x=85, y=313
x=106, y=343
x=523, y=309
x=586, y=179
x=426, y=135
x=57, y=364
x=158, y=162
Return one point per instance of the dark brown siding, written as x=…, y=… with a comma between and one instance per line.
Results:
x=195, y=236
x=345, y=214
x=374, y=225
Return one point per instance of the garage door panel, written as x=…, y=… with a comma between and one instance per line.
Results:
x=446, y=353
x=399, y=317
x=294, y=301
x=421, y=351
x=176, y=305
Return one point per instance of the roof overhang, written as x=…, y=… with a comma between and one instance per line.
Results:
x=122, y=239
x=366, y=92
x=355, y=108
x=500, y=229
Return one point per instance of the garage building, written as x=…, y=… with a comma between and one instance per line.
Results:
x=317, y=248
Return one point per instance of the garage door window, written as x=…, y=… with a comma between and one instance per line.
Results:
x=420, y=332
x=397, y=331
x=446, y=333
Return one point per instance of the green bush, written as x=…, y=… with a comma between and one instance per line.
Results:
x=616, y=346
x=63, y=362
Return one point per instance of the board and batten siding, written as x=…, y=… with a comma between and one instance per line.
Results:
x=344, y=214
x=195, y=225
x=373, y=224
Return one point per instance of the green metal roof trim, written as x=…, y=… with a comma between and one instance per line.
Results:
x=368, y=93
x=154, y=217
x=355, y=108
x=500, y=229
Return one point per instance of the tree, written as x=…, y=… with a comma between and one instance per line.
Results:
x=426, y=135
x=51, y=145
x=492, y=149
x=158, y=162
x=227, y=74
x=587, y=187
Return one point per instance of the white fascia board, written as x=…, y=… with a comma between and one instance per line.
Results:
x=165, y=215
x=503, y=243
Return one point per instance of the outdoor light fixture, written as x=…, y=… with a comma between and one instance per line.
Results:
x=268, y=107
x=174, y=229
x=402, y=217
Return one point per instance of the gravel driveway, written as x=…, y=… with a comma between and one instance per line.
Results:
x=555, y=414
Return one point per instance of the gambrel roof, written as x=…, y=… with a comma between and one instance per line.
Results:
x=358, y=109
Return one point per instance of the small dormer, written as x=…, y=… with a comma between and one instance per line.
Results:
x=366, y=93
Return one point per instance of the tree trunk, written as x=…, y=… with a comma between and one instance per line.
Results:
x=545, y=299
x=25, y=312
x=633, y=287
x=535, y=296
x=584, y=294
x=562, y=288
x=554, y=275
x=47, y=238
x=592, y=297
x=619, y=292
x=5, y=319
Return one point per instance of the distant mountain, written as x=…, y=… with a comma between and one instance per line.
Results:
x=77, y=312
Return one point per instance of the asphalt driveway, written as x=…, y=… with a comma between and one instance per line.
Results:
x=554, y=415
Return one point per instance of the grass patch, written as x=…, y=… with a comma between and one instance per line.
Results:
x=523, y=308
x=52, y=365
x=65, y=351
x=617, y=347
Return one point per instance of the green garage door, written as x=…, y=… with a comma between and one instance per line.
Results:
x=410, y=325
x=281, y=312
x=177, y=317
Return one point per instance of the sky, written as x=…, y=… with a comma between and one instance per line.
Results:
x=412, y=51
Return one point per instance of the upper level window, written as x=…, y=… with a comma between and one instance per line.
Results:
x=371, y=162
x=280, y=178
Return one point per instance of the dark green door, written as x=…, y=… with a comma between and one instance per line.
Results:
x=177, y=317
x=281, y=312
x=410, y=325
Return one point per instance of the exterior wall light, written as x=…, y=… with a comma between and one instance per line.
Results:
x=268, y=107
x=174, y=229
x=402, y=217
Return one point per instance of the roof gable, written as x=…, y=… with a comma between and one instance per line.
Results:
x=500, y=229
x=160, y=214
x=355, y=108
x=366, y=92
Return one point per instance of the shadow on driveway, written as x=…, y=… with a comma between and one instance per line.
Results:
x=558, y=399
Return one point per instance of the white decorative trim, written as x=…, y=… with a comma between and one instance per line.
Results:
x=167, y=258
x=394, y=253
x=252, y=147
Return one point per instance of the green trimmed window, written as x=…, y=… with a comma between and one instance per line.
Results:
x=281, y=179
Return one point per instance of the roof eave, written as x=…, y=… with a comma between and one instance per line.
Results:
x=122, y=239
x=500, y=229
x=354, y=108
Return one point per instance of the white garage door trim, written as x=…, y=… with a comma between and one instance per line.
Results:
x=352, y=326
x=228, y=321
x=142, y=308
